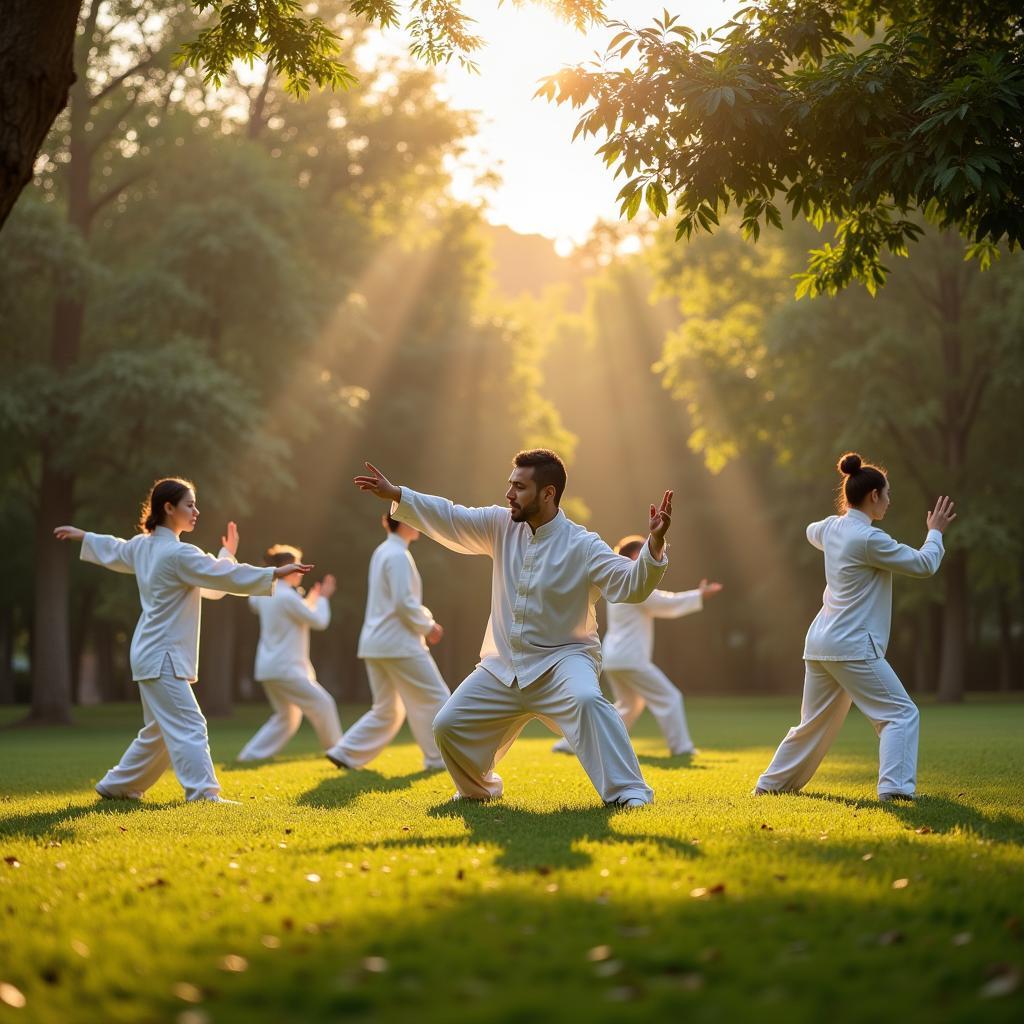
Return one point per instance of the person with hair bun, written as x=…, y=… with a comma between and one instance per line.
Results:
x=844, y=653
x=173, y=577
x=283, y=667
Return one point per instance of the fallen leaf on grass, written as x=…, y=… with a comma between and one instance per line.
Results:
x=187, y=992
x=80, y=948
x=313, y=878
x=1004, y=982
x=271, y=942
x=599, y=953
x=961, y=938
x=375, y=964
x=121, y=828
x=13, y=861
x=867, y=856
x=924, y=830
x=11, y=996
x=901, y=883
x=766, y=828
x=234, y=964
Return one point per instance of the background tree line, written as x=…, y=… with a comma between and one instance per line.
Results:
x=260, y=292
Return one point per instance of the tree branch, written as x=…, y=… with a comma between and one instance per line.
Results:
x=113, y=192
x=115, y=83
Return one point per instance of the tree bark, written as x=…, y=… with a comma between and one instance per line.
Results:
x=36, y=72
x=217, y=657
x=51, y=640
x=6, y=655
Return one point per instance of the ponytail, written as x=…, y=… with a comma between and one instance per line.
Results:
x=170, y=489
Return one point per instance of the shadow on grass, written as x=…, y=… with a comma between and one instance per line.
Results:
x=938, y=814
x=530, y=840
x=672, y=761
x=44, y=824
x=343, y=788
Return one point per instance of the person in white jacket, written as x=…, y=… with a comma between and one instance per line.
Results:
x=627, y=657
x=404, y=678
x=173, y=577
x=844, y=653
x=283, y=667
x=540, y=655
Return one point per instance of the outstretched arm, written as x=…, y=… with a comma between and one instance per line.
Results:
x=100, y=549
x=468, y=531
x=198, y=569
x=882, y=552
x=667, y=604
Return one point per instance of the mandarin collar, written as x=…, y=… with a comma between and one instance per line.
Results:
x=551, y=526
x=858, y=516
x=166, y=533
x=398, y=540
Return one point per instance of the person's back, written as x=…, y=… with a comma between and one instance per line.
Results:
x=394, y=624
x=283, y=647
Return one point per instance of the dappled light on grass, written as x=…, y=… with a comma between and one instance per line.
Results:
x=330, y=894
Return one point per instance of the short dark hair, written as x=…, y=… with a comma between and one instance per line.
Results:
x=548, y=468
x=630, y=545
x=393, y=524
x=283, y=554
x=860, y=478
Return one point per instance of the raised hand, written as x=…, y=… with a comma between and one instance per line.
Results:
x=375, y=482
x=941, y=516
x=328, y=586
x=230, y=538
x=707, y=588
x=68, y=533
x=661, y=519
x=281, y=571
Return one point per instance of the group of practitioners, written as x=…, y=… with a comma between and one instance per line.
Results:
x=541, y=657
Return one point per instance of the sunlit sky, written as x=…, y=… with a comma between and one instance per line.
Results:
x=550, y=185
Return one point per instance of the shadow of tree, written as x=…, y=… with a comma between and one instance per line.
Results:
x=530, y=840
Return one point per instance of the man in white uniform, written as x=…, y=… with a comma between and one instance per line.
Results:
x=404, y=679
x=540, y=656
x=628, y=657
x=283, y=667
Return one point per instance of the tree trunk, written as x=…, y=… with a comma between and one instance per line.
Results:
x=6, y=655
x=1007, y=654
x=51, y=641
x=81, y=634
x=217, y=658
x=36, y=71
x=953, y=670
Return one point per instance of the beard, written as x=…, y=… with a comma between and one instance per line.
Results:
x=521, y=514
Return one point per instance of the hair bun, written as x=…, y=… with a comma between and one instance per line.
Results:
x=849, y=464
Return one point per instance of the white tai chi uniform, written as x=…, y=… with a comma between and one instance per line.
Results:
x=540, y=656
x=285, y=672
x=636, y=682
x=173, y=578
x=404, y=679
x=845, y=655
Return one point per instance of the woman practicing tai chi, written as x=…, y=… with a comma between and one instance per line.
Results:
x=173, y=577
x=540, y=654
x=844, y=652
x=627, y=650
x=283, y=667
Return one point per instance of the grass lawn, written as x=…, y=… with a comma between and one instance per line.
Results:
x=368, y=896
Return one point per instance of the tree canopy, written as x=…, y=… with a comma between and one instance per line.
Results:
x=861, y=114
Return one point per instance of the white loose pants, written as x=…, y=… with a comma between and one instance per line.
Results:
x=829, y=689
x=647, y=686
x=174, y=734
x=291, y=699
x=400, y=686
x=484, y=716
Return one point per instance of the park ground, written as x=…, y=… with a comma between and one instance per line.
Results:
x=369, y=896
